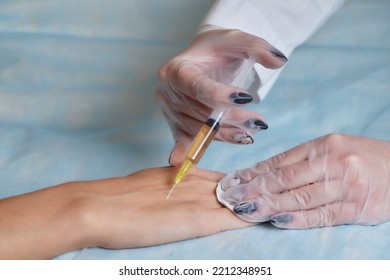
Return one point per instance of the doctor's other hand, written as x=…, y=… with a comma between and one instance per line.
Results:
x=198, y=79
x=333, y=180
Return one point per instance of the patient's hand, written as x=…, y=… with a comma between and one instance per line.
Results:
x=123, y=212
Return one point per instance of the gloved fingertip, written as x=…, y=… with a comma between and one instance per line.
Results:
x=177, y=154
x=245, y=208
x=277, y=53
x=243, y=138
x=228, y=182
x=240, y=98
x=281, y=220
x=256, y=124
x=174, y=160
x=249, y=211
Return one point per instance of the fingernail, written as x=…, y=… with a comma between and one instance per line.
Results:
x=281, y=220
x=245, y=208
x=256, y=124
x=277, y=53
x=243, y=139
x=170, y=158
x=241, y=98
x=174, y=160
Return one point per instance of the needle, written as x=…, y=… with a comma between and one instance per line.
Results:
x=210, y=128
x=171, y=191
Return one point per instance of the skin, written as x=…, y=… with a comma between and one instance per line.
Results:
x=123, y=212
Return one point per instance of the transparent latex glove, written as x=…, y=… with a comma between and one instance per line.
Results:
x=198, y=80
x=332, y=180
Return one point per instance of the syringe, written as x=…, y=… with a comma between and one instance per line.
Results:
x=208, y=131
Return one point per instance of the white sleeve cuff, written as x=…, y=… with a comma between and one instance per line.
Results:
x=284, y=24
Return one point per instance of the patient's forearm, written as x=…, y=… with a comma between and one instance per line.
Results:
x=41, y=224
x=124, y=212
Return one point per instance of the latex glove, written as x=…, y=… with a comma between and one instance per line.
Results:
x=333, y=180
x=198, y=80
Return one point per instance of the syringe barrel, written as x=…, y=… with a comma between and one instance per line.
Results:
x=202, y=140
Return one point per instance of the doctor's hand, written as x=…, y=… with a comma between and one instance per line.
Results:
x=198, y=80
x=333, y=180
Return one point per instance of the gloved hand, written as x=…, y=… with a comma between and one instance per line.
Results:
x=333, y=180
x=198, y=80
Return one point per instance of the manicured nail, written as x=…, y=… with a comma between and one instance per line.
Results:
x=243, y=139
x=170, y=159
x=245, y=208
x=281, y=220
x=241, y=98
x=173, y=161
x=256, y=124
x=279, y=54
x=174, y=158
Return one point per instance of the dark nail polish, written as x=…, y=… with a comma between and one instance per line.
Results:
x=261, y=124
x=241, y=98
x=245, y=208
x=279, y=54
x=256, y=124
x=281, y=219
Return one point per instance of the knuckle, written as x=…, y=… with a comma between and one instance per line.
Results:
x=353, y=170
x=334, y=140
x=163, y=71
x=352, y=161
x=171, y=69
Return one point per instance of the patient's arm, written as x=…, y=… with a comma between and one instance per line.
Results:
x=121, y=212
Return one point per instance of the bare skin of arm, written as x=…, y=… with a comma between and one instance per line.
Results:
x=123, y=212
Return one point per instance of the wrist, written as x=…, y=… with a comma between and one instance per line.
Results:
x=73, y=227
x=43, y=224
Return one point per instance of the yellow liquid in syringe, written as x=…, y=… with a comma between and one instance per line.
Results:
x=196, y=150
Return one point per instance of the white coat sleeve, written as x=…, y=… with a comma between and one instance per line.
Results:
x=285, y=24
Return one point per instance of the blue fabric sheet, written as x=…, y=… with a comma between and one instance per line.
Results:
x=77, y=82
